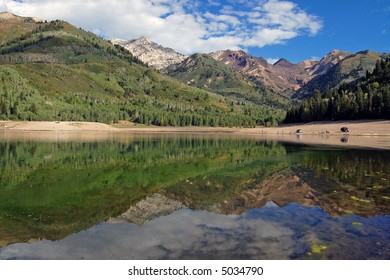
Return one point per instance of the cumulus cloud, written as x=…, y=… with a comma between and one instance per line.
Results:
x=186, y=25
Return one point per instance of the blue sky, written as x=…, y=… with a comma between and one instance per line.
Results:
x=291, y=29
x=347, y=25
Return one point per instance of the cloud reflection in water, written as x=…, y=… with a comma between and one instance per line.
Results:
x=267, y=233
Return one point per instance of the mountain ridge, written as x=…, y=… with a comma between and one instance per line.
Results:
x=292, y=79
x=281, y=77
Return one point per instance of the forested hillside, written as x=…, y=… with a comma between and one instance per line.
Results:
x=55, y=71
x=367, y=99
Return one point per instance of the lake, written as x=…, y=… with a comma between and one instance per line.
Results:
x=188, y=196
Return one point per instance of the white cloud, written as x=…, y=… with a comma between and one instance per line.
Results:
x=269, y=36
x=285, y=15
x=222, y=18
x=185, y=25
x=214, y=3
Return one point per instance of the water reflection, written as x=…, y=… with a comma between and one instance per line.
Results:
x=293, y=232
x=188, y=196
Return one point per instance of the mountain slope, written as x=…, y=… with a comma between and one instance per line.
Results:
x=55, y=71
x=202, y=71
x=151, y=53
x=338, y=68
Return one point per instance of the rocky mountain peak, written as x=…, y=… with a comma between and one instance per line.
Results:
x=328, y=62
x=283, y=62
x=144, y=40
x=337, y=54
x=153, y=54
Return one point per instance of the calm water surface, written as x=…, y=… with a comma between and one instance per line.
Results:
x=191, y=197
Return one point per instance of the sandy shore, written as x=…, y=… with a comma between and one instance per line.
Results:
x=53, y=126
x=371, y=134
x=360, y=128
x=356, y=128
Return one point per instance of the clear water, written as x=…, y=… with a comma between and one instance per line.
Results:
x=191, y=197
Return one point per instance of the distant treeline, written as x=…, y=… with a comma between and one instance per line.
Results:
x=367, y=99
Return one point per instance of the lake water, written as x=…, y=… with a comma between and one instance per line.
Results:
x=125, y=196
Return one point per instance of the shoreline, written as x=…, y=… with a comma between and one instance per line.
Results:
x=357, y=128
x=366, y=133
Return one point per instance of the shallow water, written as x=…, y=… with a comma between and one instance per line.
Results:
x=191, y=197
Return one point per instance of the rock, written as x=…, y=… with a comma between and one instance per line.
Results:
x=156, y=56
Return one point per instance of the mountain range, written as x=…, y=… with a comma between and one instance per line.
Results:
x=291, y=79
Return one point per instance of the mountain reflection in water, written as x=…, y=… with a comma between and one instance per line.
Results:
x=192, y=197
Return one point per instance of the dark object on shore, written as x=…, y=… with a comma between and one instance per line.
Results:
x=344, y=129
x=299, y=131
